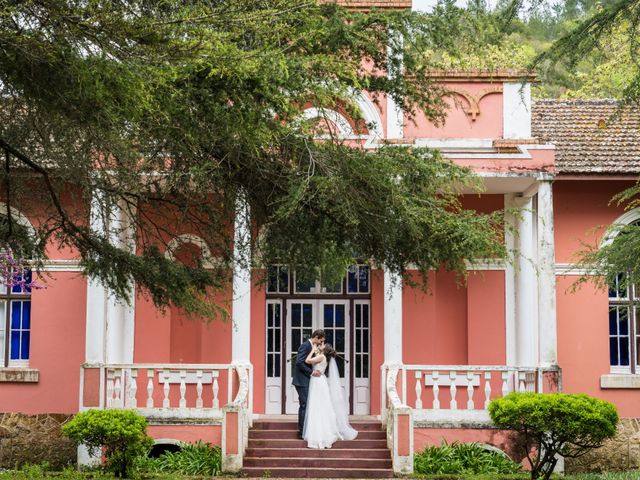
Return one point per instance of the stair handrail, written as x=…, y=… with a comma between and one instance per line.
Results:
x=399, y=425
x=237, y=419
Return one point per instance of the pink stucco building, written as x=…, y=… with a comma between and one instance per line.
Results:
x=421, y=366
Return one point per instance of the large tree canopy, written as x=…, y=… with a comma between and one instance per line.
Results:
x=173, y=110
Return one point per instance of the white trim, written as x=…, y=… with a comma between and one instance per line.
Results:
x=342, y=124
x=209, y=261
x=61, y=265
x=486, y=264
x=20, y=218
x=371, y=116
x=569, y=269
x=625, y=219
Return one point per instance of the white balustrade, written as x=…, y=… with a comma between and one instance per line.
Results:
x=181, y=388
x=472, y=380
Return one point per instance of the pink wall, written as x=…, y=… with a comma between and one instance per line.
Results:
x=486, y=318
x=57, y=349
x=458, y=124
x=583, y=331
x=580, y=207
x=187, y=433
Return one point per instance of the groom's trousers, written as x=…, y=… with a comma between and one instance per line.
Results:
x=303, y=391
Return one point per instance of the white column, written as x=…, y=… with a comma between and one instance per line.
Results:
x=241, y=305
x=526, y=285
x=110, y=321
x=547, y=278
x=392, y=318
x=510, y=221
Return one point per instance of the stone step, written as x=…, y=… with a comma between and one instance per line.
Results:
x=320, y=462
x=373, y=453
x=296, y=472
x=293, y=425
x=293, y=434
x=286, y=443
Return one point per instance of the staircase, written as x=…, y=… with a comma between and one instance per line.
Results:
x=275, y=451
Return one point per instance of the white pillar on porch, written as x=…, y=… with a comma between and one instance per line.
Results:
x=511, y=224
x=526, y=284
x=546, y=277
x=241, y=305
x=109, y=321
x=392, y=318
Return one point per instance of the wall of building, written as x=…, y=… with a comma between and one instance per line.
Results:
x=582, y=212
x=56, y=350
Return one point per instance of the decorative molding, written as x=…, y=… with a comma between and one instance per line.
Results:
x=474, y=98
x=208, y=260
x=570, y=269
x=486, y=264
x=61, y=265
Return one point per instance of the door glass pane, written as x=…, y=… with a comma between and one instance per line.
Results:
x=624, y=351
x=296, y=315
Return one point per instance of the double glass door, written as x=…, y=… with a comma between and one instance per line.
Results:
x=305, y=316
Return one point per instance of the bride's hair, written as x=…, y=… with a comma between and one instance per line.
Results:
x=329, y=351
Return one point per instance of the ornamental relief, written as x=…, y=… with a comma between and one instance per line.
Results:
x=473, y=98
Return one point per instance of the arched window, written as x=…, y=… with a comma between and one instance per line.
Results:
x=624, y=315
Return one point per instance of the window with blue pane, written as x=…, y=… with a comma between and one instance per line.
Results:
x=15, y=331
x=624, y=328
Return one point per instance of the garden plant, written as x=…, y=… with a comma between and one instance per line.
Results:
x=554, y=424
x=121, y=435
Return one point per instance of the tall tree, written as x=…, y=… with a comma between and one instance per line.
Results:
x=171, y=110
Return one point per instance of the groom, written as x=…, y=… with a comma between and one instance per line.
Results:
x=302, y=373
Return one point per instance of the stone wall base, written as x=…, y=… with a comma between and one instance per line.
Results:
x=33, y=439
x=620, y=453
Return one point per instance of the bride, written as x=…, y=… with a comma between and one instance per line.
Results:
x=327, y=418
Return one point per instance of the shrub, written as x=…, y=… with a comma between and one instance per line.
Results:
x=192, y=459
x=552, y=424
x=462, y=458
x=119, y=434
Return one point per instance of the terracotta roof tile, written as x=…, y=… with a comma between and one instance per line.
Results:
x=590, y=136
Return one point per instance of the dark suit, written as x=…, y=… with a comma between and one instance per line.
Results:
x=301, y=375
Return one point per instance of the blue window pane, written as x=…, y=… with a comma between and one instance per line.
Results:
x=295, y=340
x=613, y=351
x=613, y=321
x=18, y=288
x=340, y=316
x=307, y=315
x=276, y=315
x=328, y=316
x=283, y=284
x=295, y=315
x=623, y=324
x=16, y=315
x=358, y=316
x=26, y=315
x=624, y=351
x=272, y=279
x=339, y=346
x=365, y=316
x=363, y=281
x=329, y=337
x=15, y=346
x=24, y=353
x=352, y=280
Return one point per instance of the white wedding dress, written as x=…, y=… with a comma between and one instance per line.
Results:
x=327, y=418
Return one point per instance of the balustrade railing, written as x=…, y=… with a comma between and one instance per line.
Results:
x=158, y=390
x=464, y=387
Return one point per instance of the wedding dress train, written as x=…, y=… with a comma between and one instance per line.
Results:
x=327, y=418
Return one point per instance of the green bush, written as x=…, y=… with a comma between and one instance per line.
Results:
x=556, y=423
x=192, y=459
x=120, y=434
x=462, y=458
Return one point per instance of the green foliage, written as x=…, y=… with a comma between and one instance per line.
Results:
x=119, y=434
x=192, y=459
x=551, y=424
x=462, y=458
x=192, y=104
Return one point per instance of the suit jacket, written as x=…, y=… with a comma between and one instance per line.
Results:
x=302, y=371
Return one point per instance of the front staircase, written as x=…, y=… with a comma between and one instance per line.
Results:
x=274, y=450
